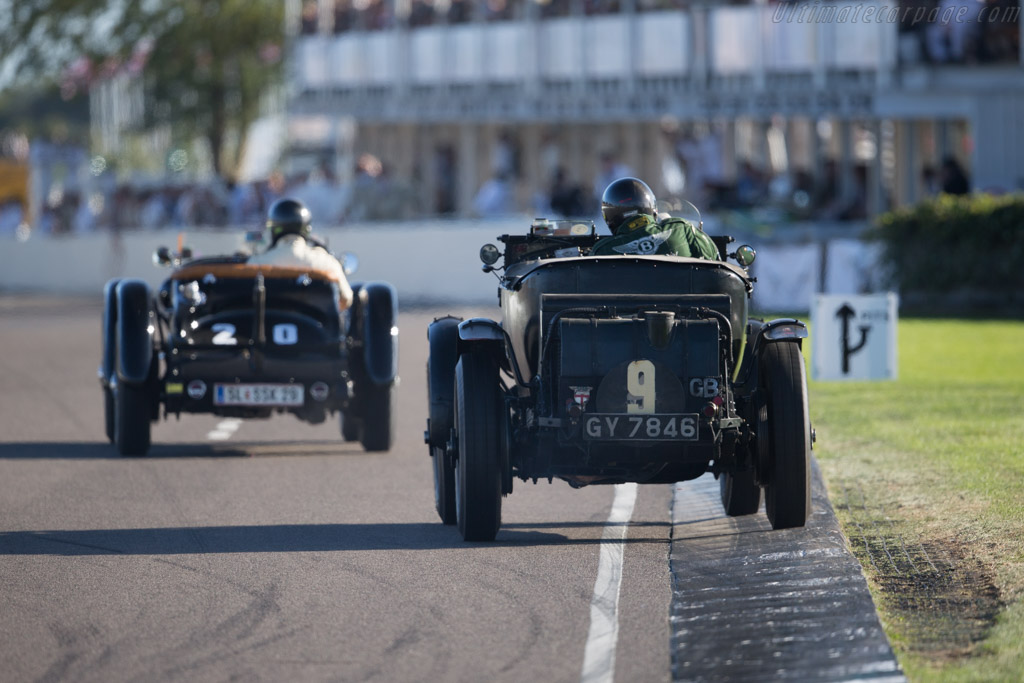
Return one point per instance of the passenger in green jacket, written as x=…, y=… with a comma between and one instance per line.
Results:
x=630, y=210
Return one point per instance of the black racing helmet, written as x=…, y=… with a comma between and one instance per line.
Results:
x=625, y=198
x=288, y=217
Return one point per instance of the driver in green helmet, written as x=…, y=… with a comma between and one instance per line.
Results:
x=630, y=210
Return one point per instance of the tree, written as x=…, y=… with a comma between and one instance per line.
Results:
x=204, y=63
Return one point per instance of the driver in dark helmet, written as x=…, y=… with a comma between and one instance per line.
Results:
x=630, y=210
x=292, y=244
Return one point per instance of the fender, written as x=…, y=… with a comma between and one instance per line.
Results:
x=378, y=306
x=136, y=326
x=109, y=358
x=443, y=340
x=759, y=335
x=486, y=331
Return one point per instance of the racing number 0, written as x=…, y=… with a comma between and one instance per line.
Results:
x=640, y=387
x=286, y=334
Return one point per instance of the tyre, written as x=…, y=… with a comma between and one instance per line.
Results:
x=477, y=470
x=444, y=485
x=349, y=427
x=109, y=413
x=740, y=493
x=788, y=481
x=132, y=410
x=378, y=428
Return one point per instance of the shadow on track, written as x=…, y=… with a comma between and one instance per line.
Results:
x=105, y=451
x=284, y=538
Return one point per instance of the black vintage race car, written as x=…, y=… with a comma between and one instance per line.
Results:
x=614, y=369
x=241, y=340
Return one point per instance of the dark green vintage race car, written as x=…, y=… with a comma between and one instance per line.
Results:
x=614, y=369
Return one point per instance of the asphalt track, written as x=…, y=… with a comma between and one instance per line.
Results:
x=270, y=550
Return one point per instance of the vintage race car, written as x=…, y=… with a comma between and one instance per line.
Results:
x=613, y=369
x=226, y=337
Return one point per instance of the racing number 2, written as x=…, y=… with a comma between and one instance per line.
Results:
x=640, y=387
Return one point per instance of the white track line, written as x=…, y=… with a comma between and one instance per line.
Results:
x=599, y=654
x=224, y=430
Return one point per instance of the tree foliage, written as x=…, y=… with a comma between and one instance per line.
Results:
x=953, y=245
x=204, y=63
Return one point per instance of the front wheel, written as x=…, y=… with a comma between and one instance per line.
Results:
x=788, y=482
x=109, y=413
x=132, y=409
x=740, y=493
x=478, y=405
x=378, y=428
x=444, y=485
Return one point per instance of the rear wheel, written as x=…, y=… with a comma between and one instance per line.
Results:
x=740, y=493
x=349, y=427
x=378, y=428
x=132, y=410
x=444, y=485
x=788, y=484
x=478, y=468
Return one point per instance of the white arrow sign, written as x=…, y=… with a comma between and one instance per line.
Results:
x=854, y=337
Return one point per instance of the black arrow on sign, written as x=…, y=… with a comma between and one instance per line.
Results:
x=847, y=313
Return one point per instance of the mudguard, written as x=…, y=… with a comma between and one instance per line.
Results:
x=109, y=358
x=443, y=339
x=136, y=325
x=378, y=304
x=759, y=335
x=485, y=331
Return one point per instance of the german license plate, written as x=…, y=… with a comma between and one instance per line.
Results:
x=258, y=395
x=619, y=427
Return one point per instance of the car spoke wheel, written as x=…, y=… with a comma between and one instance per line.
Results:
x=740, y=493
x=378, y=428
x=788, y=489
x=477, y=470
x=444, y=485
x=132, y=408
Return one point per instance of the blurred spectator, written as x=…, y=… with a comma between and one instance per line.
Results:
x=501, y=10
x=344, y=16
x=12, y=215
x=505, y=156
x=930, y=181
x=421, y=13
x=600, y=6
x=1000, y=31
x=954, y=178
x=153, y=214
x=554, y=8
x=376, y=16
x=460, y=11
x=750, y=184
x=125, y=209
x=496, y=197
x=310, y=17
x=566, y=199
x=444, y=167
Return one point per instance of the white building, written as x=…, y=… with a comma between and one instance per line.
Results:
x=447, y=101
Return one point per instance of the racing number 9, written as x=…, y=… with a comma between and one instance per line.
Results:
x=640, y=387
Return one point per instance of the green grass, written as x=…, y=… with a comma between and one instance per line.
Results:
x=941, y=451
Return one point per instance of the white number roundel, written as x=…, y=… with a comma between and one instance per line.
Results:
x=286, y=334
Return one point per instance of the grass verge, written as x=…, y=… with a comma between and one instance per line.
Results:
x=927, y=477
